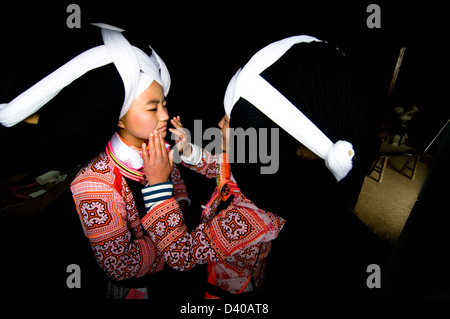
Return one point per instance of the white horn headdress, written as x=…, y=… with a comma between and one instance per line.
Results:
x=136, y=68
x=250, y=85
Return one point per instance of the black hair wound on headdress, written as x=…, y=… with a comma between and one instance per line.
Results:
x=73, y=127
x=77, y=124
x=318, y=79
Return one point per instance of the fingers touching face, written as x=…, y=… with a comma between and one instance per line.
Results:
x=156, y=146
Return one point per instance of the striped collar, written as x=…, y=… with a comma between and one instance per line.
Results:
x=129, y=155
x=127, y=158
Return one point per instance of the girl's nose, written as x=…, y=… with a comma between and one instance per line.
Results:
x=164, y=115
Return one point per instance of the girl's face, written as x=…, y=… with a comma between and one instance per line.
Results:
x=224, y=125
x=147, y=113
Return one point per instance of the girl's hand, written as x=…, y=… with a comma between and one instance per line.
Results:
x=182, y=141
x=157, y=162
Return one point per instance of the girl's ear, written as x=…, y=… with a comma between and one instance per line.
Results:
x=121, y=124
x=32, y=119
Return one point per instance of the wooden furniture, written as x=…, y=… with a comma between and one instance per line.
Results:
x=388, y=150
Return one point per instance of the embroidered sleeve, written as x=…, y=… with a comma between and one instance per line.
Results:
x=102, y=212
x=232, y=230
x=179, y=188
x=206, y=165
x=182, y=250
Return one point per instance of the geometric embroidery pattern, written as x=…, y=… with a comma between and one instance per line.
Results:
x=102, y=213
x=235, y=226
x=164, y=223
x=207, y=165
x=233, y=229
x=117, y=257
x=189, y=250
x=94, y=213
x=100, y=165
x=110, y=220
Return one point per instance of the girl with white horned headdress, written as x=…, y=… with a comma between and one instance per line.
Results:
x=331, y=125
x=114, y=89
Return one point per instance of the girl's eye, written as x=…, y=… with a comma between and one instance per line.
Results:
x=152, y=110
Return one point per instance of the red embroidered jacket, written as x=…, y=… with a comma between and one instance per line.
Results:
x=235, y=241
x=110, y=220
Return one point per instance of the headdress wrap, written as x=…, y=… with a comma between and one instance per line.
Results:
x=136, y=68
x=250, y=85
